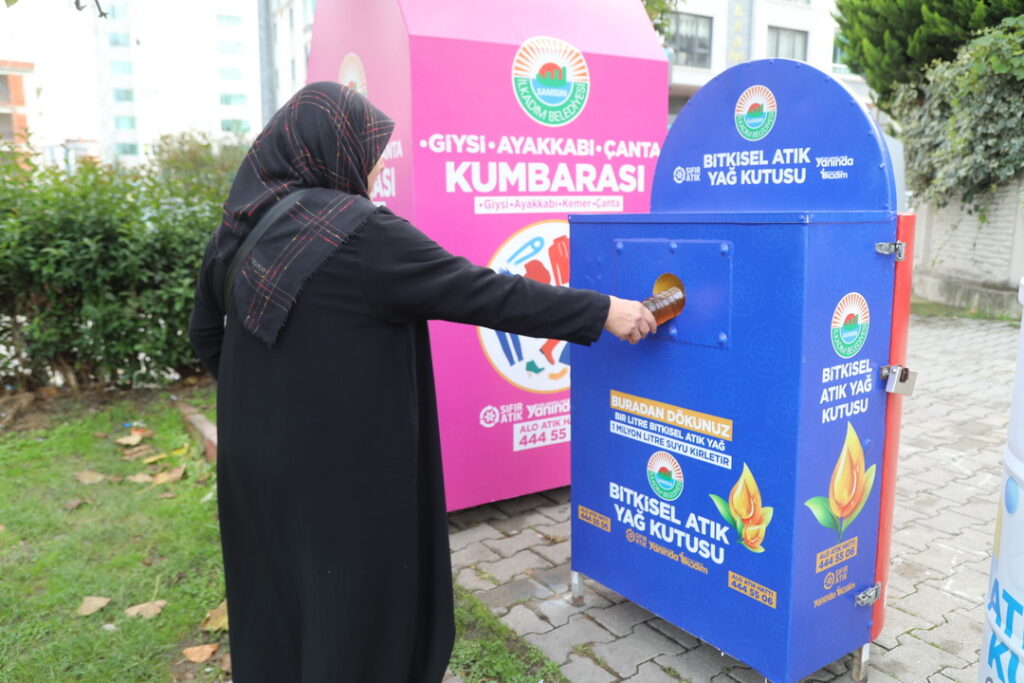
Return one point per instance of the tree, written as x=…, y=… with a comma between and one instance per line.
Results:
x=891, y=42
x=658, y=11
x=78, y=6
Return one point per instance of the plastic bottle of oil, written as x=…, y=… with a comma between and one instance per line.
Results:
x=666, y=304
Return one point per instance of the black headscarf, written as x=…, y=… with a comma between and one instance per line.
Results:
x=326, y=137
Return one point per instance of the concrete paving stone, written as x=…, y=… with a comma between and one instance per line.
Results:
x=876, y=675
x=558, y=609
x=604, y=591
x=510, y=567
x=649, y=672
x=461, y=539
x=625, y=655
x=449, y=677
x=557, y=513
x=946, y=520
x=470, y=579
x=558, y=496
x=517, y=506
x=515, y=524
x=510, y=545
x=556, y=578
x=556, y=553
x=470, y=517
x=914, y=535
x=976, y=538
x=673, y=632
x=943, y=557
x=983, y=509
x=914, y=660
x=929, y=603
x=557, y=532
x=964, y=583
x=940, y=678
x=557, y=643
x=938, y=475
x=906, y=576
x=897, y=623
x=959, y=635
x=958, y=492
x=968, y=674
x=473, y=554
x=745, y=674
x=583, y=670
x=500, y=599
x=523, y=620
x=620, y=619
x=699, y=664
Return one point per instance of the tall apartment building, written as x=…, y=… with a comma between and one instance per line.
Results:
x=708, y=36
x=14, y=106
x=288, y=30
x=113, y=86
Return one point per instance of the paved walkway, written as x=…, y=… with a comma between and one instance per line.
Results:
x=515, y=554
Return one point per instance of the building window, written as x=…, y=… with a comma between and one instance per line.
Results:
x=121, y=68
x=124, y=122
x=690, y=39
x=232, y=99
x=120, y=40
x=6, y=127
x=787, y=43
x=124, y=95
x=228, y=20
x=5, y=88
x=234, y=125
x=230, y=73
x=126, y=149
x=231, y=47
x=838, y=55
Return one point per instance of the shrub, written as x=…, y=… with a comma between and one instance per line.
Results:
x=100, y=264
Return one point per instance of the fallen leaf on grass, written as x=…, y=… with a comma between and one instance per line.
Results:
x=130, y=440
x=146, y=610
x=74, y=504
x=169, y=476
x=91, y=604
x=200, y=653
x=225, y=662
x=140, y=478
x=180, y=451
x=217, y=618
x=144, y=433
x=88, y=477
x=154, y=458
x=167, y=494
x=3, y=528
x=100, y=435
x=137, y=452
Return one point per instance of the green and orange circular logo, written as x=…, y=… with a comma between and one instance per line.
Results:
x=551, y=80
x=755, y=112
x=850, y=322
x=352, y=74
x=665, y=476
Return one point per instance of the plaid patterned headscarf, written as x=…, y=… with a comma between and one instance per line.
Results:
x=327, y=137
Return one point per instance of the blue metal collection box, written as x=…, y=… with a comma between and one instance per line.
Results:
x=725, y=471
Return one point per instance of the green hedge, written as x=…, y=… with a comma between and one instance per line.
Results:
x=99, y=264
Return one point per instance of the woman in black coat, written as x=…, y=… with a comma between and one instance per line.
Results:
x=330, y=488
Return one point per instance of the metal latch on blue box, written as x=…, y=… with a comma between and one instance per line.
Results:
x=897, y=248
x=898, y=379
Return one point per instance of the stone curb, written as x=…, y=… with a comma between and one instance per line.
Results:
x=201, y=428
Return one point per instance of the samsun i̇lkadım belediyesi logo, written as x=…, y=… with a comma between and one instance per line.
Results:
x=551, y=80
x=755, y=112
x=665, y=475
x=850, y=322
x=352, y=74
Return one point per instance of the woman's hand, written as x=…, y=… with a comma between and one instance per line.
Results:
x=629, y=320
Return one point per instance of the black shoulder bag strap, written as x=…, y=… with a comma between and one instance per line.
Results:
x=254, y=236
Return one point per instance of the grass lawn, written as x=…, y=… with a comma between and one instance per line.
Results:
x=62, y=540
